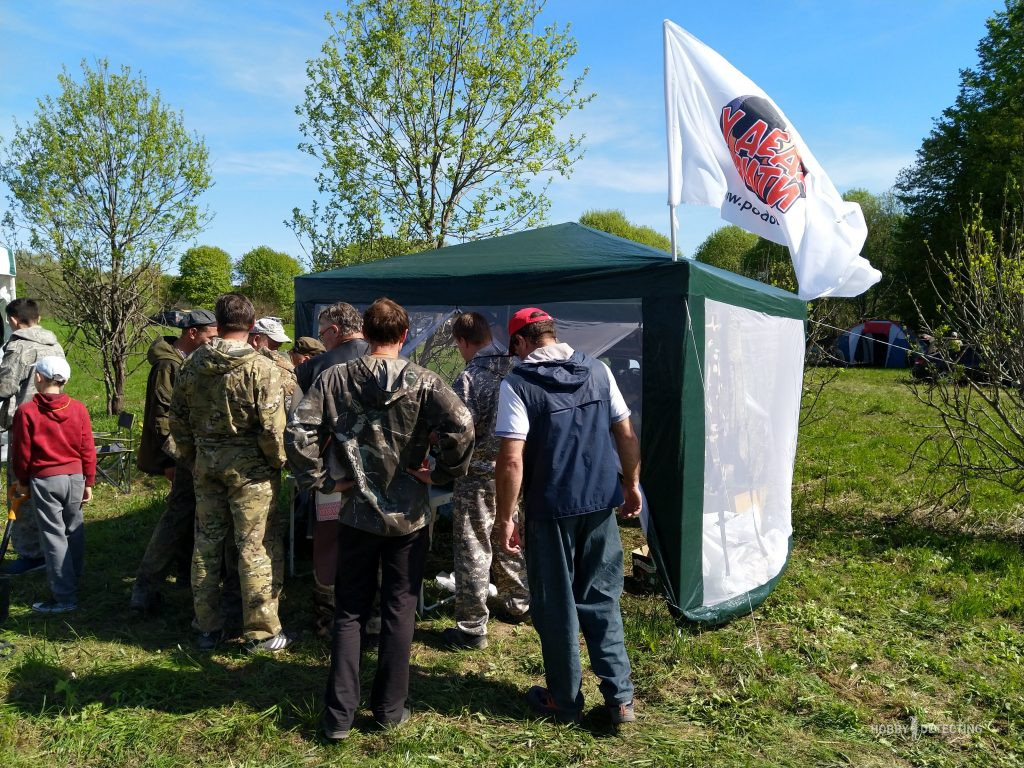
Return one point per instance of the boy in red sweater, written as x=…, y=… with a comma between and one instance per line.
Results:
x=55, y=457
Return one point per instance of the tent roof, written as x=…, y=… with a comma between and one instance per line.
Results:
x=563, y=262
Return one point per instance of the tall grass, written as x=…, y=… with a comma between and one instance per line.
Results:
x=883, y=615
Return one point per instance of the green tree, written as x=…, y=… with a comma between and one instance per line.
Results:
x=615, y=223
x=726, y=247
x=104, y=184
x=433, y=119
x=975, y=152
x=267, y=277
x=885, y=299
x=204, y=273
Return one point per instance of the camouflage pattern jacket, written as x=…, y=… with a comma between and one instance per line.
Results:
x=228, y=398
x=287, y=373
x=21, y=351
x=370, y=420
x=478, y=387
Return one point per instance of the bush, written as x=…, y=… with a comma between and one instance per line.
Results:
x=267, y=277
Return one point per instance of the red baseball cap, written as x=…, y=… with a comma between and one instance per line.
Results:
x=524, y=317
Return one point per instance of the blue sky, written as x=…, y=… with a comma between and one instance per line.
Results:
x=862, y=80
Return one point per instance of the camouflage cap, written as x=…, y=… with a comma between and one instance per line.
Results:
x=307, y=345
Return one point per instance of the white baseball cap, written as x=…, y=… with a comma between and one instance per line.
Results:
x=54, y=369
x=271, y=328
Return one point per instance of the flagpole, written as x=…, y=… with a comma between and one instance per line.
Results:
x=668, y=139
x=672, y=230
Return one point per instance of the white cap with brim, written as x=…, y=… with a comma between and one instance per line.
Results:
x=53, y=368
x=271, y=328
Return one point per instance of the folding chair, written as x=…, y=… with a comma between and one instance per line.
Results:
x=115, y=453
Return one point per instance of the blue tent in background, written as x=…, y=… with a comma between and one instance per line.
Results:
x=878, y=343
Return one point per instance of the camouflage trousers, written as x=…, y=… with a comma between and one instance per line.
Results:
x=477, y=555
x=25, y=530
x=172, y=539
x=227, y=499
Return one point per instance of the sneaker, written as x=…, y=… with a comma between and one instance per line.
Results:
x=388, y=724
x=621, y=713
x=54, y=606
x=25, y=565
x=455, y=639
x=274, y=644
x=209, y=640
x=543, y=703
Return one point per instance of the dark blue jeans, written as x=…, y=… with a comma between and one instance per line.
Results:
x=574, y=566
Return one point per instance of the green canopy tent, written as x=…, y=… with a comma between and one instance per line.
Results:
x=717, y=360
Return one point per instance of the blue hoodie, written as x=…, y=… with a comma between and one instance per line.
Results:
x=570, y=466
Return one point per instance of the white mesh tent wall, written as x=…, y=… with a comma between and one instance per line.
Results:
x=719, y=373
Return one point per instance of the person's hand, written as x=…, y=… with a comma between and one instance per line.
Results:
x=509, y=537
x=632, y=504
x=169, y=474
x=422, y=474
x=87, y=494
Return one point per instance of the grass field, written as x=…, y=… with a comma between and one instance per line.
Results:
x=885, y=618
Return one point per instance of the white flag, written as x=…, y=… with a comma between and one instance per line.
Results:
x=730, y=146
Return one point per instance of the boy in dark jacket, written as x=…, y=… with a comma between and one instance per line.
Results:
x=55, y=457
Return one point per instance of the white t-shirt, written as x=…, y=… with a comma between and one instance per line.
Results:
x=512, y=420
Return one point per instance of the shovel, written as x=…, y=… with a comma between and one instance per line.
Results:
x=14, y=502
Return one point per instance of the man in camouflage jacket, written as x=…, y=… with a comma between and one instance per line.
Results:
x=475, y=555
x=171, y=542
x=227, y=421
x=364, y=430
x=29, y=342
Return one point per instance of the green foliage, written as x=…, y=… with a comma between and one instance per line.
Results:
x=104, y=184
x=433, y=119
x=975, y=152
x=981, y=412
x=725, y=248
x=204, y=273
x=887, y=298
x=615, y=223
x=267, y=277
x=342, y=254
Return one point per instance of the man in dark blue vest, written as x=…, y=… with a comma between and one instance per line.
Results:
x=565, y=437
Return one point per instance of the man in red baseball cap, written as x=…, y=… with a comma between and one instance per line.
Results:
x=565, y=430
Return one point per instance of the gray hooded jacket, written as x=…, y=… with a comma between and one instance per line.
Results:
x=21, y=351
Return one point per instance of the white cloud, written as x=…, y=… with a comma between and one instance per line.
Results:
x=633, y=177
x=271, y=163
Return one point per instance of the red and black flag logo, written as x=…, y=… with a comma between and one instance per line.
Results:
x=763, y=151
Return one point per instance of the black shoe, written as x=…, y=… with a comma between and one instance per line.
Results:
x=144, y=600
x=543, y=703
x=511, y=618
x=388, y=724
x=333, y=734
x=208, y=641
x=25, y=565
x=456, y=640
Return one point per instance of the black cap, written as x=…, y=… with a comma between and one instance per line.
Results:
x=195, y=318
